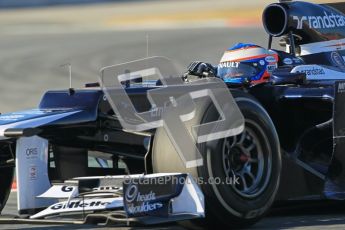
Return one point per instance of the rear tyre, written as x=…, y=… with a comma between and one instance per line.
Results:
x=253, y=157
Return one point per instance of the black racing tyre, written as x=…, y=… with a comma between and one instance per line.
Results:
x=6, y=173
x=6, y=177
x=253, y=157
x=70, y=162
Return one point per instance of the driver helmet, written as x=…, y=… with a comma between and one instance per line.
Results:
x=247, y=63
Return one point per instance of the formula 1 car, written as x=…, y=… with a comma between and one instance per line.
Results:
x=284, y=140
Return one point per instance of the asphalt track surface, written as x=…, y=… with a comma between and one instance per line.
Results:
x=30, y=64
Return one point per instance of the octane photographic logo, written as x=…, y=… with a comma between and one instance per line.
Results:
x=144, y=201
x=320, y=22
x=172, y=104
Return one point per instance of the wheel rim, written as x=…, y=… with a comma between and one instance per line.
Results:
x=248, y=157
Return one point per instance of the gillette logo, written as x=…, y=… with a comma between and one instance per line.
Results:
x=321, y=22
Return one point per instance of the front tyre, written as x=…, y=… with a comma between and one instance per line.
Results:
x=240, y=175
x=6, y=172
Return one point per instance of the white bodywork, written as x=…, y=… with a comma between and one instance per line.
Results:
x=80, y=205
x=317, y=72
x=31, y=155
x=30, y=123
x=322, y=47
x=32, y=172
x=189, y=201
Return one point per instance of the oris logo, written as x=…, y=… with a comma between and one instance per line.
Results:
x=31, y=152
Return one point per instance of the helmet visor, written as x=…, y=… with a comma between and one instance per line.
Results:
x=228, y=70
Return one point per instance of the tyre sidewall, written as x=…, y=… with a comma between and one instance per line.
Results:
x=223, y=206
x=220, y=197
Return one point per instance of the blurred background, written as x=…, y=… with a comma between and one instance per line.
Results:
x=38, y=36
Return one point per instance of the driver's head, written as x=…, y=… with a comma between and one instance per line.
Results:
x=247, y=62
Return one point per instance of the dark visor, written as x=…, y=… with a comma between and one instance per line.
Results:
x=239, y=70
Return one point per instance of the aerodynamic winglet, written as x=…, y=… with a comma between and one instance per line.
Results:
x=26, y=132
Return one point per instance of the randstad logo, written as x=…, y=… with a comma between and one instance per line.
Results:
x=320, y=22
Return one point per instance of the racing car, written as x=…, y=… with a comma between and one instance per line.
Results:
x=284, y=140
